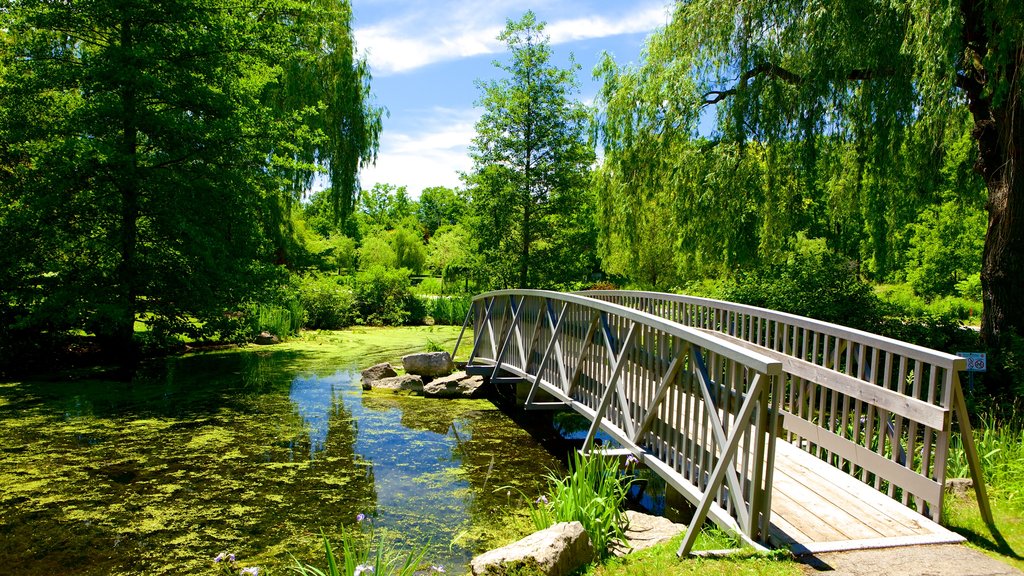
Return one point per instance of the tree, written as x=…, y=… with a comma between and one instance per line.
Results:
x=531, y=157
x=328, y=87
x=149, y=180
x=439, y=206
x=884, y=79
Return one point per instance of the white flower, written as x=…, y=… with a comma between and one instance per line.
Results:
x=363, y=568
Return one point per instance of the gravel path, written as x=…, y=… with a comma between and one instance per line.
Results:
x=936, y=560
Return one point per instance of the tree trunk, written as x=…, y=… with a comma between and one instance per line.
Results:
x=128, y=189
x=995, y=101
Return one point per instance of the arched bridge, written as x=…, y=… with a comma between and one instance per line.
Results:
x=780, y=429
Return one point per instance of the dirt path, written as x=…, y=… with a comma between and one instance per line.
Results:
x=936, y=560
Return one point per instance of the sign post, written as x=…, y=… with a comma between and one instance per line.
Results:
x=976, y=362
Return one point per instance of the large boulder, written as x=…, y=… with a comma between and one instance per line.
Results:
x=644, y=531
x=428, y=364
x=410, y=382
x=555, y=551
x=458, y=385
x=377, y=372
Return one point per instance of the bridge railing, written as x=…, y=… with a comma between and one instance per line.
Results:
x=877, y=408
x=698, y=410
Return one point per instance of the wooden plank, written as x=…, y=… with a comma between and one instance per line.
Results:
x=863, y=492
x=892, y=471
x=822, y=509
x=869, y=544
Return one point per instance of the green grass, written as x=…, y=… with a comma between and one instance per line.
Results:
x=661, y=560
x=1007, y=543
x=1001, y=450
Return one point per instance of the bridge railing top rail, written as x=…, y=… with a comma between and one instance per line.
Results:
x=760, y=362
x=911, y=351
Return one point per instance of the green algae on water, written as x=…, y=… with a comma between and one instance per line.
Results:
x=252, y=451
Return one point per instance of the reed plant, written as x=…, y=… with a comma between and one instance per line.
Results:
x=363, y=553
x=1001, y=451
x=592, y=494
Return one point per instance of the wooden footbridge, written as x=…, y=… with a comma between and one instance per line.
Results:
x=782, y=430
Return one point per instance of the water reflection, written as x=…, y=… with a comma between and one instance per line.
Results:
x=316, y=398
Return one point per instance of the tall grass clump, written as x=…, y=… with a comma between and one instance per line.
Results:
x=592, y=494
x=362, y=553
x=1001, y=451
x=450, y=310
x=277, y=320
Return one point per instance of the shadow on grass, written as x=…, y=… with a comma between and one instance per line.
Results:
x=992, y=541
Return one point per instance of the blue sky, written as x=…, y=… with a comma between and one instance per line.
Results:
x=426, y=56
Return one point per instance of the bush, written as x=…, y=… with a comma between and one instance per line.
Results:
x=328, y=304
x=384, y=297
x=814, y=283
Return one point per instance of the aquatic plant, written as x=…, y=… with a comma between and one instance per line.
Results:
x=363, y=553
x=592, y=494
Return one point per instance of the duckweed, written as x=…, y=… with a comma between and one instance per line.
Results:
x=253, y=451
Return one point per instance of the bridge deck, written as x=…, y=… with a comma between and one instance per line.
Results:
x=818, y=508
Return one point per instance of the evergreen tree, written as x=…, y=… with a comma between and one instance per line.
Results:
x=531, y=166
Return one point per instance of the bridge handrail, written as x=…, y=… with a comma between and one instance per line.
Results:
x=754, y=359
x=694, y=407
x=878, y=407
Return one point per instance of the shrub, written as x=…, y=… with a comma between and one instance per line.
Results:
x=328, y=305
x=815, y=283
x=365, y=554
x=384, y=297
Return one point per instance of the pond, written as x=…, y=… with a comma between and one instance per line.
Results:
x=251, y=452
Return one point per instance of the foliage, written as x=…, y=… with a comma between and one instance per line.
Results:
x=364, y=553
x=1000, y=447
x=450, y=310
x=409, y=250
x=439, y=206
x=813, y=282
x=839, y=122
x=530, y=165
x=152, y=152
x=376, y=250
x=945, y=248
x=593, y=495
x=328, y=304
x=452, y=251
x=384, y=297
x=277, y=320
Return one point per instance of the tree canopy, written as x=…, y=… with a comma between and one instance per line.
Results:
x=149, y=152
x=832, y=119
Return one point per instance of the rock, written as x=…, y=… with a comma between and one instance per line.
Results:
x=376, y=372
x=959, y=487
x=645, y=531
x=458, y=385
x=266, y=338
x=428, y=364
x=556, y=551
x=409, y=382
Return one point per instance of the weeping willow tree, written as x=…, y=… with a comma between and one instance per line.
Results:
x=326, y=84
x=800, y=86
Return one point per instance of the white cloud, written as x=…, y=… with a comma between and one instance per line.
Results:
x=457, y=30
x=431, y=157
